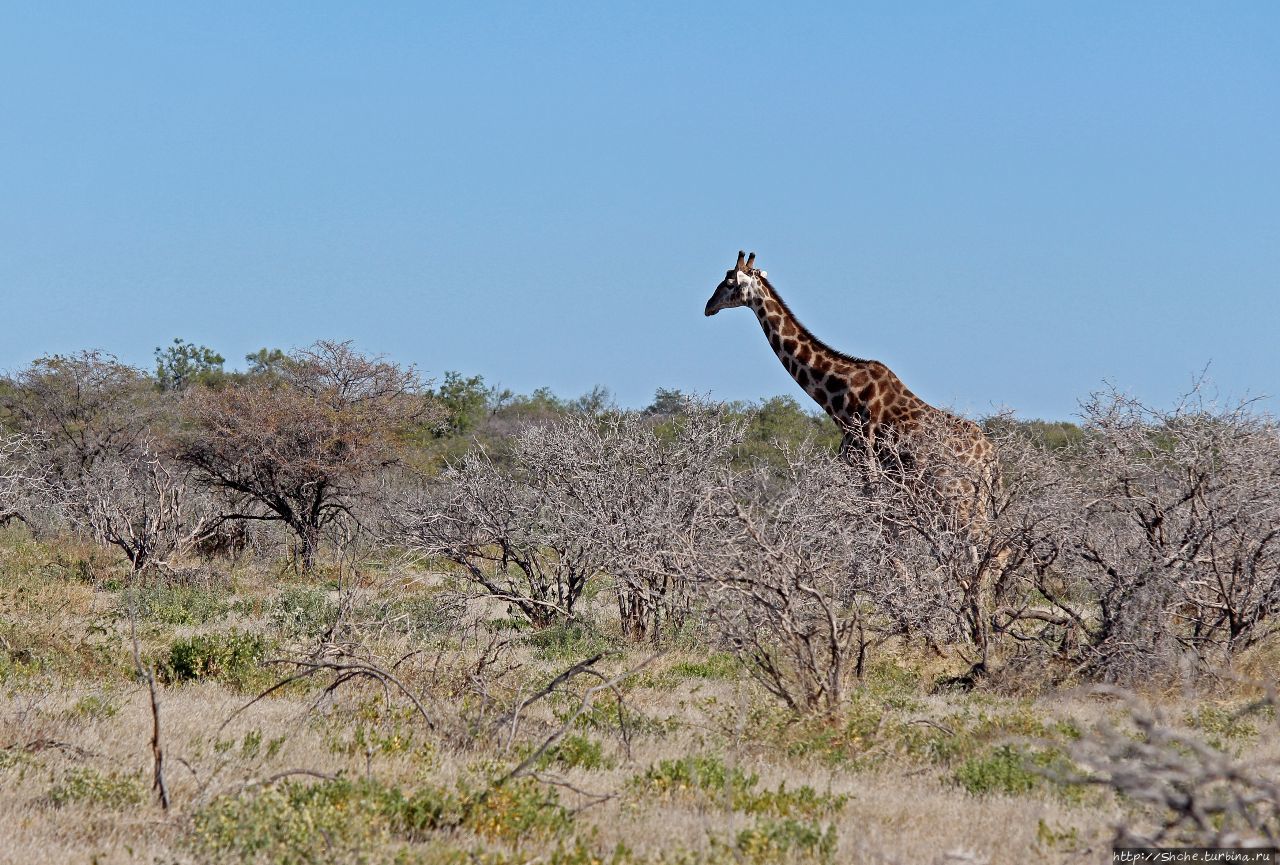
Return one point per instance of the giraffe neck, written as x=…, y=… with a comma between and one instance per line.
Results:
x=808, y=359
x=853, y=391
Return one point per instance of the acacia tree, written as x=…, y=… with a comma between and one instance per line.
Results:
x=300, y=447
x=77, y=409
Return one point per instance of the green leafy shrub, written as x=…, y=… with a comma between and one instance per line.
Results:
x=519, y=809
x=1012, y=770
x=297, y=823
x=1003, y=770
x=373, y=728
x=89, y=786
x=802, y=802
x=294, y=823
x=576, y=752
x=707, y=777
x=1223, y=726
x=1065, y=839
x=94, y=707
x=698, y=774
x=608, y=715
x=234, y=657
x=785, y=841
x=850, y=740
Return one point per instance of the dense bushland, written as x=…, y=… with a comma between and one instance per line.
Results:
x=1142, y=543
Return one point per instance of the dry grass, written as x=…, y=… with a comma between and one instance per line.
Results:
x=902, y=775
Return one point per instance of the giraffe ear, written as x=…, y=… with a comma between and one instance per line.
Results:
x=751, y=261
x=741, y=258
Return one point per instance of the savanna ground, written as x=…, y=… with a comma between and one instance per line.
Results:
x=685, y=760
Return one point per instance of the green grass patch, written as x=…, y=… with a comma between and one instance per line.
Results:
x=708, y=779
x=297, y=823
x=175, y=604
x=718, y=666
x=572, y=641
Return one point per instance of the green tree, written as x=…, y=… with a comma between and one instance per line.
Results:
x=184, y=363
x=1050, y=435
x=667, y=402
x=781, y=421
x=596, y=401
x=465, y=402
x=266, y=363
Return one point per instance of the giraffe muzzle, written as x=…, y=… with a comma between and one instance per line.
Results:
x=719, y=300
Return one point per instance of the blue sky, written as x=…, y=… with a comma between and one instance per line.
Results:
x=1007, y=203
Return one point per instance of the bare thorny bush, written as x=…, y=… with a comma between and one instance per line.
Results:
x=1179, y=541
x=23, y=483
x=789, y=571
x=1180, y=789
x=584, y=497
x=634, y=485
x=88, y=459
x=142, y=503
x=1150, y=548
x=807, y=569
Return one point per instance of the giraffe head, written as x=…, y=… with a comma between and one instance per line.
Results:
x=741, y=285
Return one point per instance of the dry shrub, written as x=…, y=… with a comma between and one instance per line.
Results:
x=1153, y=545
x=1182, y=790
x=91, y=459
x=1180, y=541
x=141, y=503
x=812, y=563
x=23, y=484
x=790, y=566
x=575, y=498
x=77, y=409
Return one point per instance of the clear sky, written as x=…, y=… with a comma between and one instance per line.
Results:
x=1007, y=203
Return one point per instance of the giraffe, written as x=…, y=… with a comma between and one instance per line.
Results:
x=864, y=397
x=881, y=418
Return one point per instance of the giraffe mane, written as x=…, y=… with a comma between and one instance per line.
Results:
x=804, y=331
